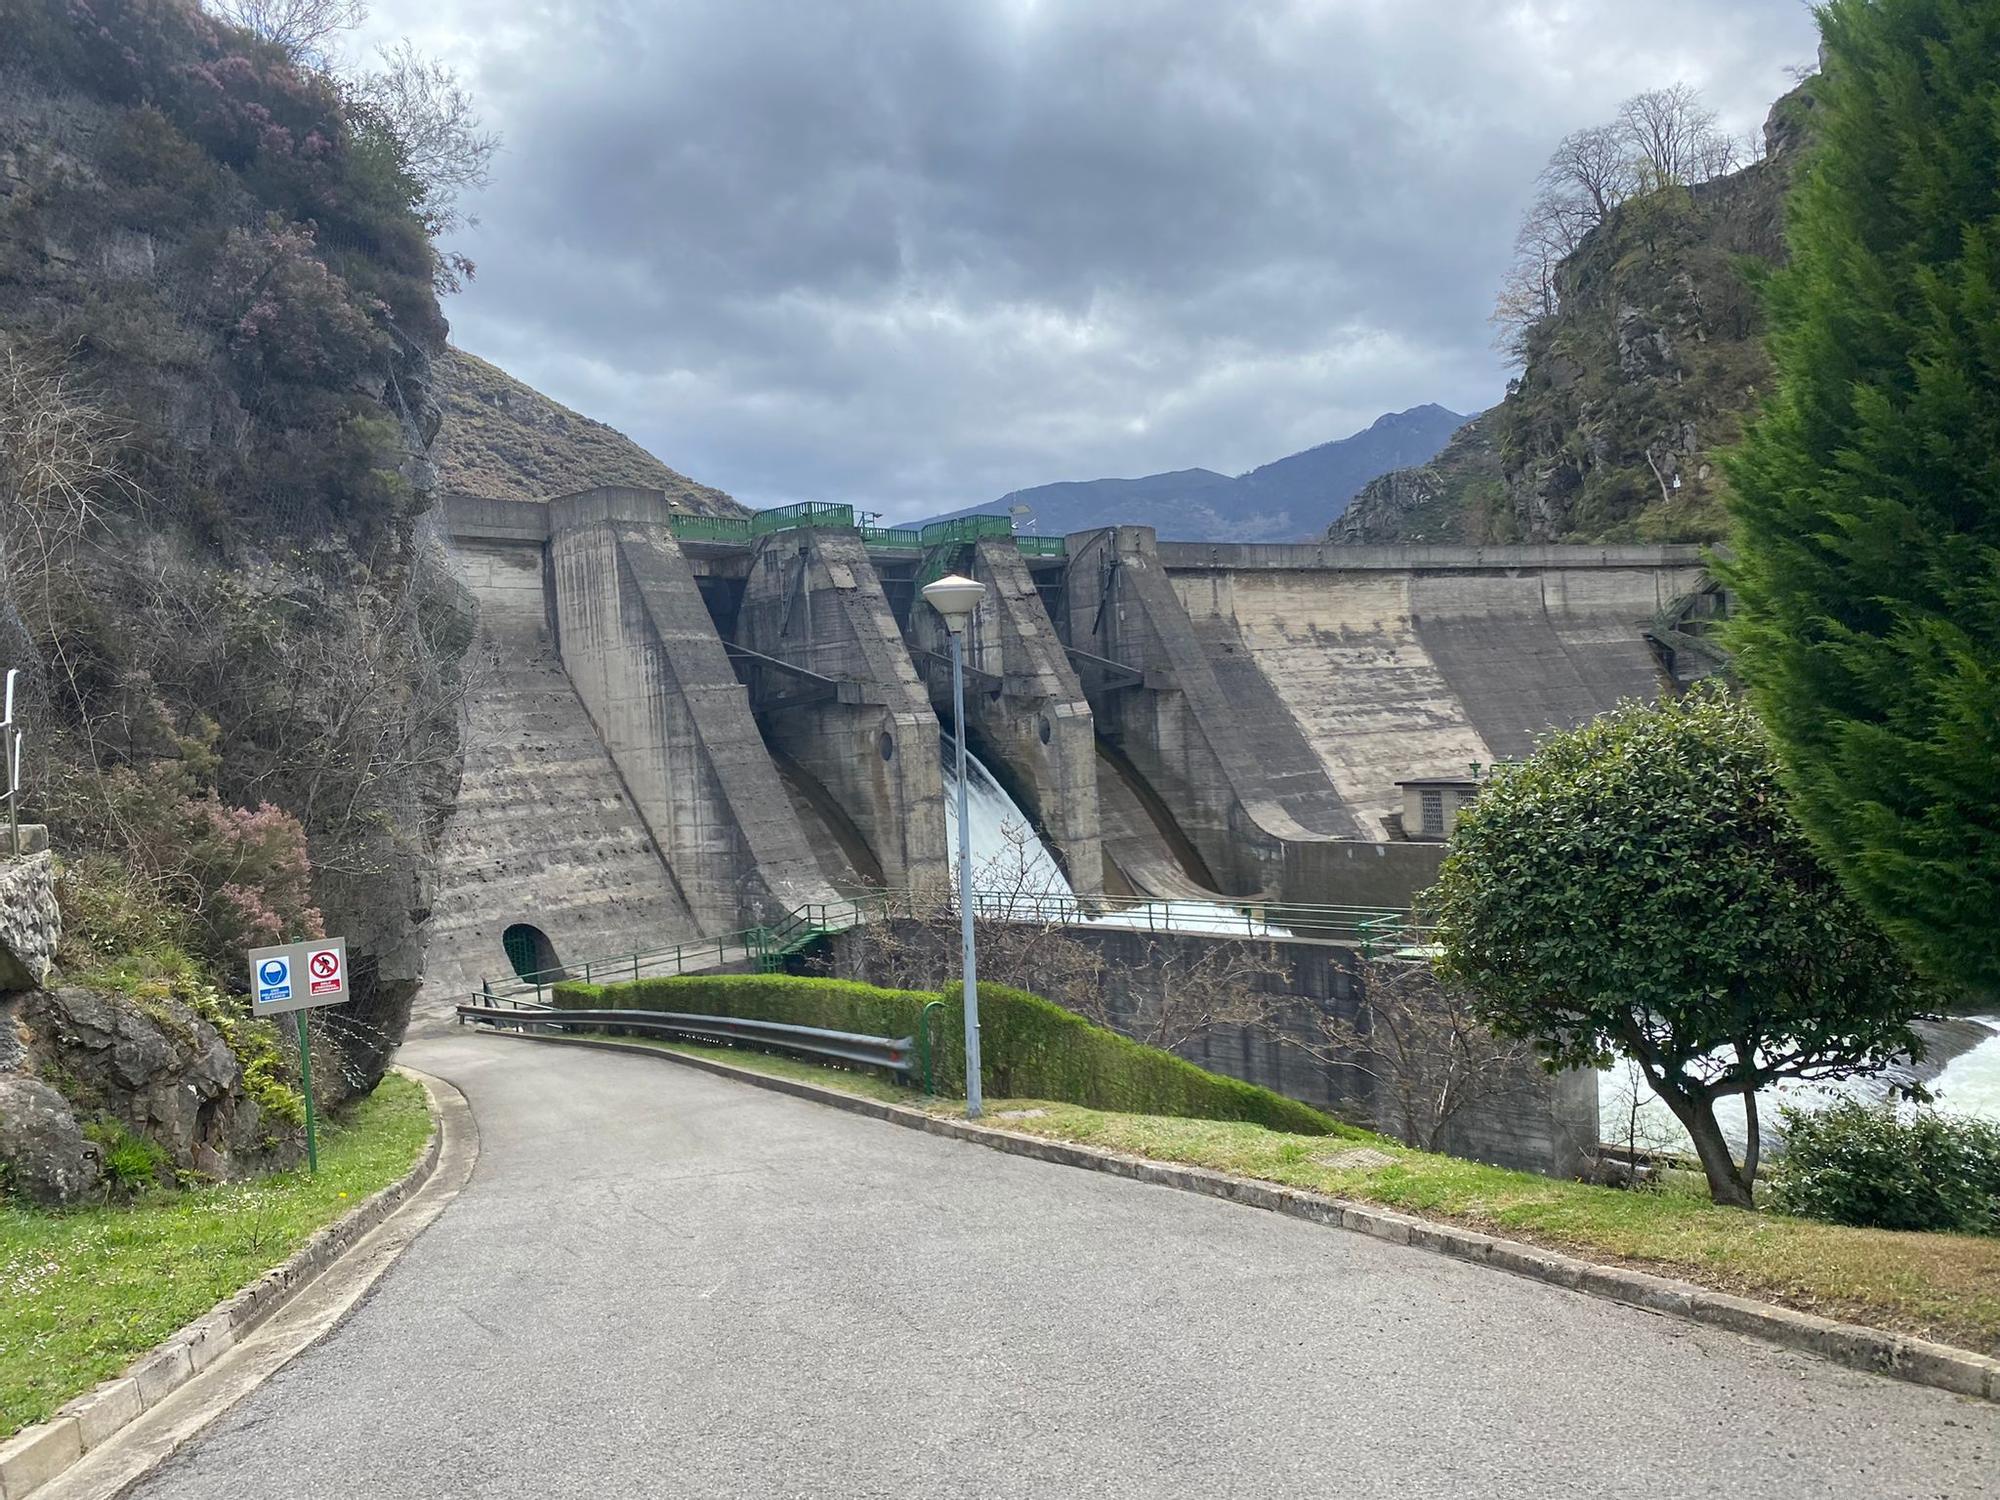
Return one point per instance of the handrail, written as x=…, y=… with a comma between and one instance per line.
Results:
x=1368, y=927
x=892, y=1053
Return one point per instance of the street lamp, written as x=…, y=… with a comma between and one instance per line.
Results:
x=955, y=598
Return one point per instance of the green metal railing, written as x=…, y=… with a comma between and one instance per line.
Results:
x=1373, y=930
x=892, y=536
x=694, y=528
x=965, y=529
x=1043, y=546
x=821, y=515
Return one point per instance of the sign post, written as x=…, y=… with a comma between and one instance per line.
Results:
x=297, y=977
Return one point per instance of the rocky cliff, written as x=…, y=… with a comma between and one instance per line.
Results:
x=1626, y=393
x=504, y=440
x=217, y=332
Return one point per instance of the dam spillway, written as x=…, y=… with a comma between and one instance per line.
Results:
x=682, y=726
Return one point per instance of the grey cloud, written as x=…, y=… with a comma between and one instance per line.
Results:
x=918, y=254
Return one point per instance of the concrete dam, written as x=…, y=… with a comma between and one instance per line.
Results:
x=680, y=726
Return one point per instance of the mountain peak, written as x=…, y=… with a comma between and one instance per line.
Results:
x=1287, y=500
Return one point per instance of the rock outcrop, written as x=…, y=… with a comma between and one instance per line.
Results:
x=1628, y=392
x=44, y=1155
x=30, y=921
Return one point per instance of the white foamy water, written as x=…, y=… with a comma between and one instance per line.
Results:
x=1968, y=1085
x=1014, y=874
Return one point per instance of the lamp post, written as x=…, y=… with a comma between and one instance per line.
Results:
x=955, y=598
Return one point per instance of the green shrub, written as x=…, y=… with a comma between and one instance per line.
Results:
x=1879, y=1168
x=1029, y=1048
x=131, y=1162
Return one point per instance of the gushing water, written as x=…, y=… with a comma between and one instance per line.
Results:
x=1014, y=873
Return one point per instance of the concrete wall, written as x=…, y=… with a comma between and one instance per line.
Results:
x=812, y=599
x=1522, y=1117
x=1415, y=662
x=543, y=831
x=648, y=664
x=1360, y=872
x=1203, y=728
x=1026, y=707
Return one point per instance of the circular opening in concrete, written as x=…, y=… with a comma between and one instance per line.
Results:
x=531, y=953
x=887, y=745
x=1045, y=729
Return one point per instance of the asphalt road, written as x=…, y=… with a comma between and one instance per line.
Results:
x=663, y=1283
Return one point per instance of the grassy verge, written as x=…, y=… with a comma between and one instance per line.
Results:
x=83, y=1293
x=1938, y=1286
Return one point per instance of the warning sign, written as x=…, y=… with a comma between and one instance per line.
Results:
x=298, y=975
x=323, y=971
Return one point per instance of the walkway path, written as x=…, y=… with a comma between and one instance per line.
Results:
x=664, y=1283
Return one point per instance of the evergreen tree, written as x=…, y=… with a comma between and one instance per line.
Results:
x=1867, y=495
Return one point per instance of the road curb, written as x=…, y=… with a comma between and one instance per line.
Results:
x=35, y=1455
x=1919, y=1361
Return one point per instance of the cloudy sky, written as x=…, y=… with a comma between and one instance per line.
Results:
x=914, y=255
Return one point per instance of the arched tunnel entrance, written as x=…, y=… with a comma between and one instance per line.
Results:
x=531, y=953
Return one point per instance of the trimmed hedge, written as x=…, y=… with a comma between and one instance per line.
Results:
x=1029, y=1047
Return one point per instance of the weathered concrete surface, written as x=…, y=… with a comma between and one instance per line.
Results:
x=544, y=831
x=752, y=1295
x=643, y=651
x=1030, y=720
x=1420, y=661
x=1145, y=851
x=813, y=601
x=1361, y=872
x=1212, y=740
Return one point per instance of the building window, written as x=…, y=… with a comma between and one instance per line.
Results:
x=1434, y=813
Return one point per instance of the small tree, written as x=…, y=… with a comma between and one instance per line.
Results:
x=1422, y=1045
x=1867, y=496
x=1641, y=885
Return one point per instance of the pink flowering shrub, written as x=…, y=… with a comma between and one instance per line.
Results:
x=254, y=878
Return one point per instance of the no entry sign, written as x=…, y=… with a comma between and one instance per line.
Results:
x=298, y=976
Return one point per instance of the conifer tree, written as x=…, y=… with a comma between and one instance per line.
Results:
x=1867, y=495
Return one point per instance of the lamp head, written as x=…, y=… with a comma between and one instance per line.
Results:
x=955, y=598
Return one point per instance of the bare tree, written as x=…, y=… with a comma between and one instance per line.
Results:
x=428, y=110
x=1591, y=170
x=301, y=27
x=1673, y=139
x=1429, y=1059
x=1550, y=232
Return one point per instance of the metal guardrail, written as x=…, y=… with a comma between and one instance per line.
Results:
x=905, y=537
x=896, y=1054
x=1042, y=546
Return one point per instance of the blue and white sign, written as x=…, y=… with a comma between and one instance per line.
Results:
x=297, y=975
x=274, y=979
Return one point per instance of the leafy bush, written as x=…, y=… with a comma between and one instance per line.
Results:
x=1029, y=1048
x=131, y=1162
x=1880, y=1168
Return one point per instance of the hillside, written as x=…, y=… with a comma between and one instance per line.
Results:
x=504, y=440
x=1459, y=496
x=1286, y=500
x=1647, y=370
x=218, y=319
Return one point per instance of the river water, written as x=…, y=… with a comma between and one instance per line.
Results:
x=1013, y=873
